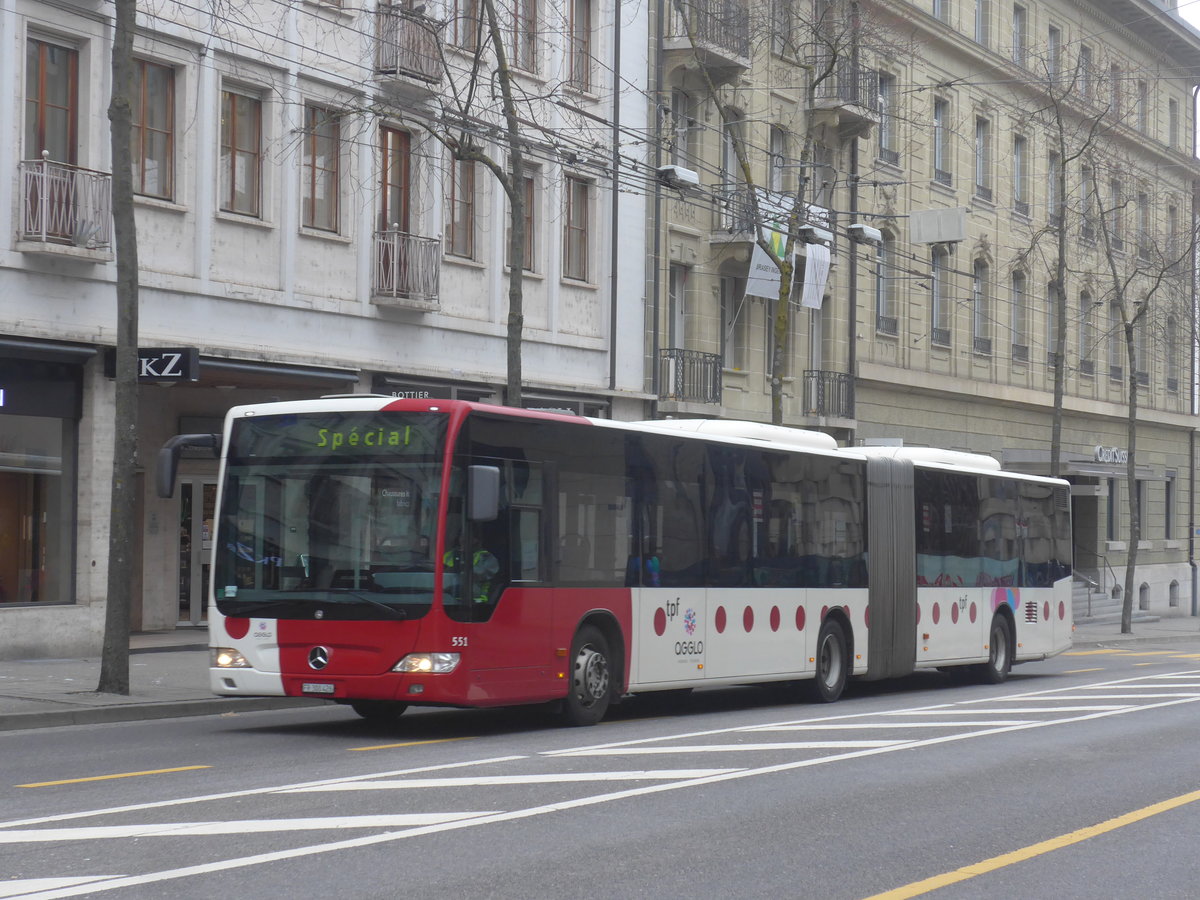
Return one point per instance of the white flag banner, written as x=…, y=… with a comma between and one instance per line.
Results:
x=816, y=274
x=763, y=278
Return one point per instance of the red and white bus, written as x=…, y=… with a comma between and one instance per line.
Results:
x=383, y=553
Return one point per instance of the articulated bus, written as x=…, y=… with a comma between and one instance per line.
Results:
x=384, y=553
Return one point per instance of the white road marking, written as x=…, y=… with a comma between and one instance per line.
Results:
x=848, y=726
x=735, y=748
x=497, y=780
x=26, y=885
x=243, y=826
x=1130, y=696
x=1010, y=709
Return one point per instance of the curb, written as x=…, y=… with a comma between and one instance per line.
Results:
x=137, y=712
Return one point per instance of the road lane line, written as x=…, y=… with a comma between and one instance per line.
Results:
x=40, y=784
x=916, y=888
x=237, y=826
x=736, y=748
x=858, y=726
x=407, y=744
x=501, y=780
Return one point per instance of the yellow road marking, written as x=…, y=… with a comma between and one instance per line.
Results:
x=109, y=777
x=1155, y=663
x=1091, y=652
x=406, y=744
x=1026, y=853
x=1081, y=671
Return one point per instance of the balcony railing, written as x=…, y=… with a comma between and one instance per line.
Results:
x=62, y=204
x=734, y=210
x=828, y=394
x=407, y=269
x=850, y=85
x=720, y=24
x=689, y=375
x=407, y=43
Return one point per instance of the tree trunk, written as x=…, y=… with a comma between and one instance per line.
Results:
x=114, y=661
x=1135, y=513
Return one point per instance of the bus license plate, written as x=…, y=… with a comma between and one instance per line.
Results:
x=317, y=688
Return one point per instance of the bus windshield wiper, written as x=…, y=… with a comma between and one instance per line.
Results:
x=366, y=598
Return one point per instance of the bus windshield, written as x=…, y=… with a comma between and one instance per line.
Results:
x=330, y=515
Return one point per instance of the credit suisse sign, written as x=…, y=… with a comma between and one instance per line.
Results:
x=1111, y=455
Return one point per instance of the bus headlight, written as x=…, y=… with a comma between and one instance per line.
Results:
x=428, y=663
x=227, y=658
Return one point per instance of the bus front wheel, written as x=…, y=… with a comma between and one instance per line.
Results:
x=590, y=690
x=999, y=664
x=379, y=711
x=832, y=659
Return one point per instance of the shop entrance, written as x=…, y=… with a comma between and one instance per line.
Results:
x=197, y=507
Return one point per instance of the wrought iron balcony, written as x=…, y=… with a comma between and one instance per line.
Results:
x=63, y=205
x=828, y=394
x=689, y=376
x=407, y=270
x=407, y=44
x=850, y=93
x=719, y=28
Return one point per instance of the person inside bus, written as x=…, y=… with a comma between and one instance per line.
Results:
x=484, y=568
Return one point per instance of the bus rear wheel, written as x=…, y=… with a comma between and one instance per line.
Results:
x=999, y=664
x=379, y=711
x=832, y=663
x=590, y=690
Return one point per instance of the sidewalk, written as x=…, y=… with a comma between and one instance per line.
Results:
x=168, y=675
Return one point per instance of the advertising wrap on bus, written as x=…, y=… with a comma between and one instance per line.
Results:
x=384, y=553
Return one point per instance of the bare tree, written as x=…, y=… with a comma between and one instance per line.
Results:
x=114, y=662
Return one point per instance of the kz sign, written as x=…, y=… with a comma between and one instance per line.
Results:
x=157, y=365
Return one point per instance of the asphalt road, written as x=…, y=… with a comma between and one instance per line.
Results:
x=900, y=789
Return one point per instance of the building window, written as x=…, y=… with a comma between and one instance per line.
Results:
x=981, y=311
x=887, y=119
x=1087, y=190
x=777, y=159
x=1172, y=355
x=395, y=178
x=460, y=201
x=320, y=169
x=941, y=141
x=1020, y=175
x=983, y=14
x=1087, y=338
x=575, y=229
x=524, y=34
x=1054, y=190
x=580, y=46
x=1116, y=343
x=983, y=159
x=783, y=27
x=1143, y=107
x=1020, y=318
x=1053, y=52
x=1169, y=507
x=1051, y=326
x=1114, y=91
x=464, y=24
x=1173, y=123
x=241, y=154
x=677, y=289
x=153, y=137
x=941, y=10
x=1087, y=75
x=734, y=315
x=51, y=101
x=941, y=298
x=1019, y=43
x=886, y=314
x=1116, y=214
x=529, y=192
x=1113, y=519
x=1144, y=237
x=38, y=449
x=683, y=128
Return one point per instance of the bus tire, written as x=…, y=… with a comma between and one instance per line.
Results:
x=379, y=711
x=833, y=663
x=590, y=689
x=1000, y=646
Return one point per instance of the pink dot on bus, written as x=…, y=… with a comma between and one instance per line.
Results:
x=1046, y=610
x=1062, y=610
x=799, y=618
x=937, y=613
x=720, y=620
x=748, y=618
x=237, y=627
x=954, y=613
x=774, y=618
x=918, y=613
x=974, y=612
x=867, y=617
x=824, y=612
x=660, y=621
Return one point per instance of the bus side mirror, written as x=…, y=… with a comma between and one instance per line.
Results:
x=483, y=493
x=168, y=458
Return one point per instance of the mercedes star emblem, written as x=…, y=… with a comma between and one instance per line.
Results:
x=318, y=657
